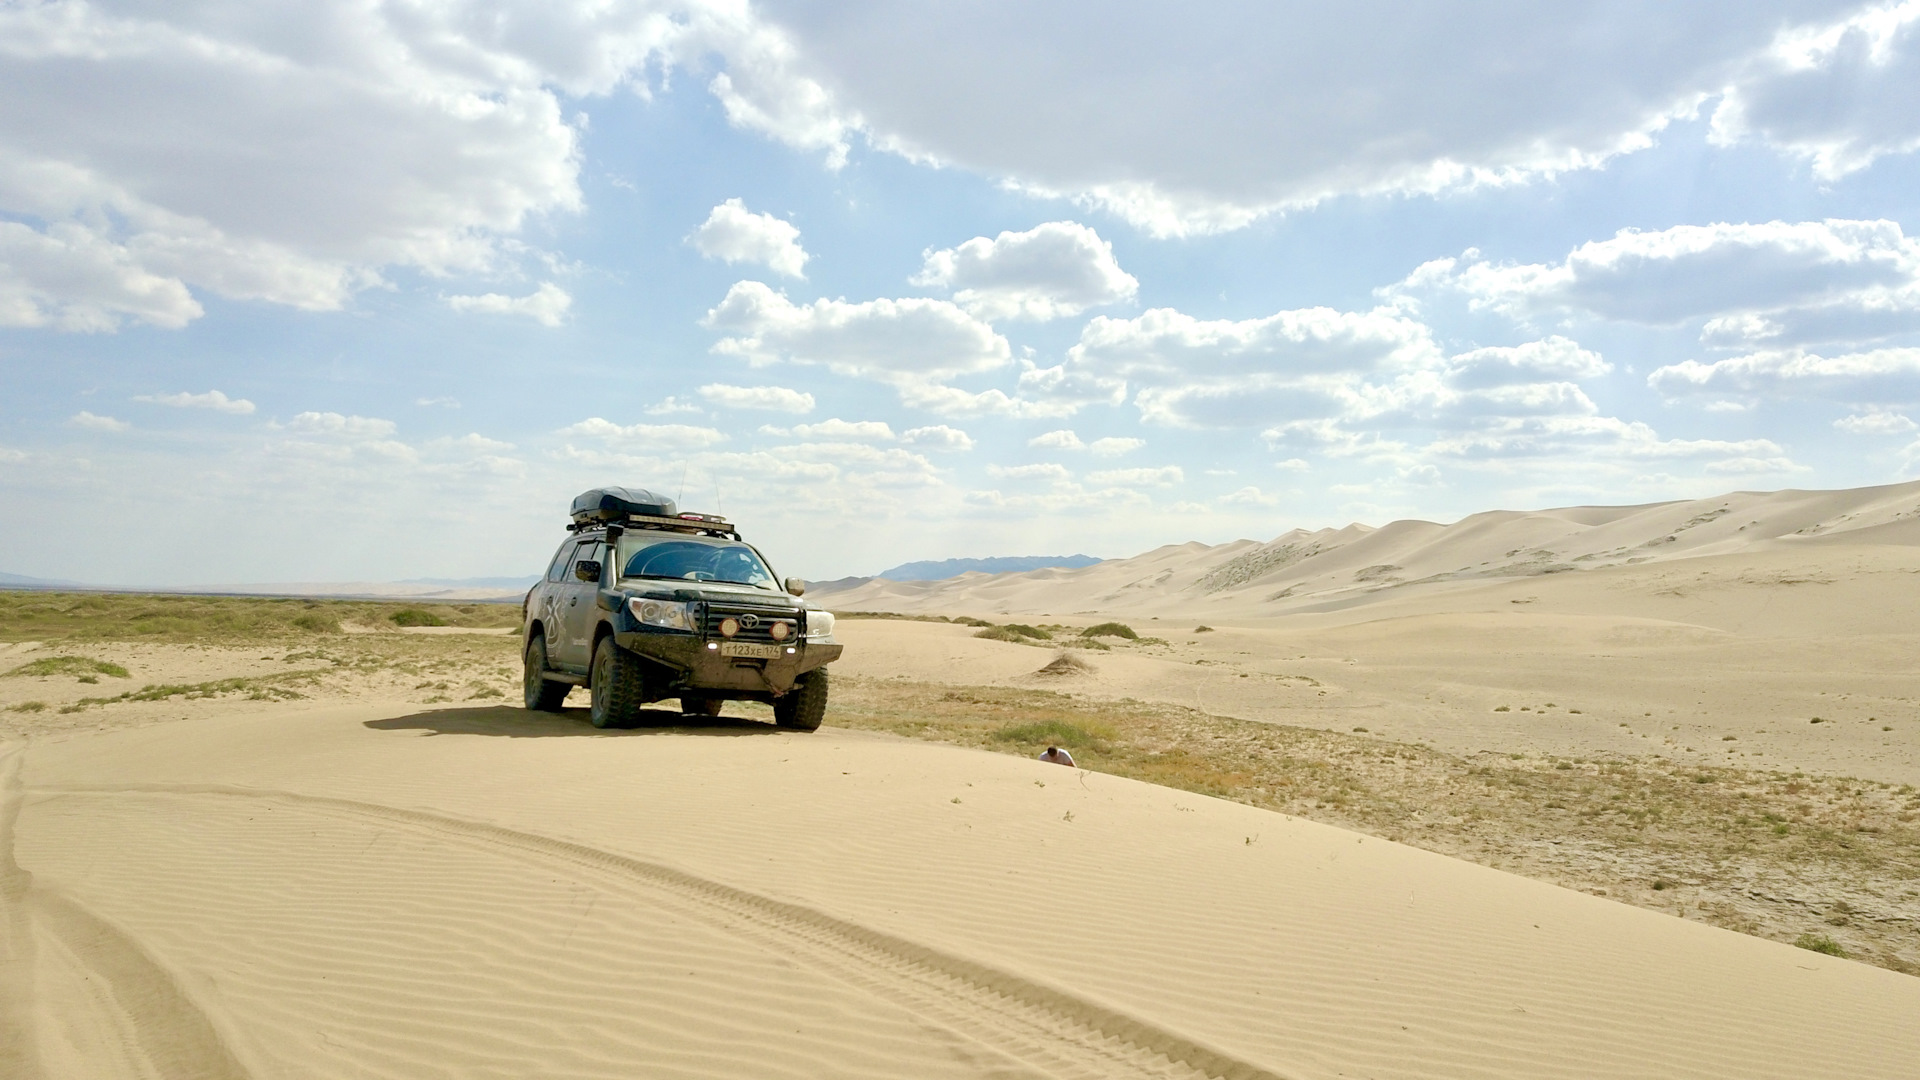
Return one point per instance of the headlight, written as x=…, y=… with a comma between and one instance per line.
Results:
x=667, y=613
x=819, y=625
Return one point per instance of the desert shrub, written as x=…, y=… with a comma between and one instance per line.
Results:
x=1052, y=733
x=1203, y=629
x=28, y=706
x=1110, y=629
x=83, y=666
x=1820, y=943
x=1014, y=632
x=968, y=620
x=317, y=624
x=414, y=616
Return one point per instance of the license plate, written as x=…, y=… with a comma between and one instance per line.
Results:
x=756, y=652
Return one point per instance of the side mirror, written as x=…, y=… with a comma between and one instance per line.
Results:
x=796, y=586
x=587, y=570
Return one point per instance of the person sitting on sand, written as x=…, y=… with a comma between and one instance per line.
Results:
x=1057, y=755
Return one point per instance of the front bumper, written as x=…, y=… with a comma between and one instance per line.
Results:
x=688, y=664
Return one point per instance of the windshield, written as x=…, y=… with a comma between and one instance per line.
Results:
x=689, y=559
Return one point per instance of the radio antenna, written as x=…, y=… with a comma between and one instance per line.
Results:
x=681, y=495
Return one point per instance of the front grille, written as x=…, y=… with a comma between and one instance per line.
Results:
x=762, y=617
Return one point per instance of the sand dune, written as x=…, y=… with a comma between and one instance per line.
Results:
x=1308, y=571
x=477, y=893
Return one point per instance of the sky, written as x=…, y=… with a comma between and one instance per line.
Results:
x=350, y=290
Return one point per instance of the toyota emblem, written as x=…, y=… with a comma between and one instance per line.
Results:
x=749, y=621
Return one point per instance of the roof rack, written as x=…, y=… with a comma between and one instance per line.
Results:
x=700, y=524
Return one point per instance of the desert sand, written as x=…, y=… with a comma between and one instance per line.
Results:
x=475, y=893
x=407, y=878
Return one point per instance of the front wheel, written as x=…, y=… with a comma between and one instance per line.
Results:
x=542, y=694
x=618, y=686
x=805, y=705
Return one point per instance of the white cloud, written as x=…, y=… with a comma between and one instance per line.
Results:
x=734, y=234
x=350, y=427
x=1546, y=438
x=1752, y=466
x=673, y=406
x=546, y=305
x=1115, y=446
x=1165, y=345
x=71, y=277
x=1875, y=422
x=84, y=419
x=1290, y=365
x=906, y=340
x=913, y=345
x=288, y=152
x=438, y=402
x=1839, y=95
x=938, y=437
x=212, y=399
x=1186, y=119
x=1775, y=282
x=840, y=430
x=1250, y=496
x=649, y=436
x=767, y=398
x=1045, y=470
x=1865, y=376
x=1552, y=358
x=473, y=442
x=1051, y=271
x=1062, y=439
x=1165, y=476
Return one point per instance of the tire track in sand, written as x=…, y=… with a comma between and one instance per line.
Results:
x=1063, y=1034
x=160, y=1031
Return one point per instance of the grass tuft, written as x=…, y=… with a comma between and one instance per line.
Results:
x=1018, y=633
x=1110, y=629
x=1820, y=943
x=414, y=616
x=1051, y=733
x=208, y=620
x=82, y=666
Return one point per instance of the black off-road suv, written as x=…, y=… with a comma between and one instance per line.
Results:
x=643, y=602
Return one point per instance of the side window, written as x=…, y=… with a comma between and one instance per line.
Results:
x=562, y=562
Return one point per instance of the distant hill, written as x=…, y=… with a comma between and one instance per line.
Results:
x=1008, y=564
x=521, y=583
x=22, y=581
x=1336, y=569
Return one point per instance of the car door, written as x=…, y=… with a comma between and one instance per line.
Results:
x=576, y=605
x=545, y=592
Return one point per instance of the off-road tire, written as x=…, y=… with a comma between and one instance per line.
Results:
x=805, y=705
x=618, y=686
x=693, y=706
x=542, y=694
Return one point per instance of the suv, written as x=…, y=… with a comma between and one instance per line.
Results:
x=643, y=603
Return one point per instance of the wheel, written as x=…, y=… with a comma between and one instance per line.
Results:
x=542, y=694
x=805, y=705
x=694, y=706
x=618, y=686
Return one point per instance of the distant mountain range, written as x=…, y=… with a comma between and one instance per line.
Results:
x=1007, y=564
x=22, y=581
x=1335, y=569
x=520, y=583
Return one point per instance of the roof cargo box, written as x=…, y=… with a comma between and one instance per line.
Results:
x=618, y=503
